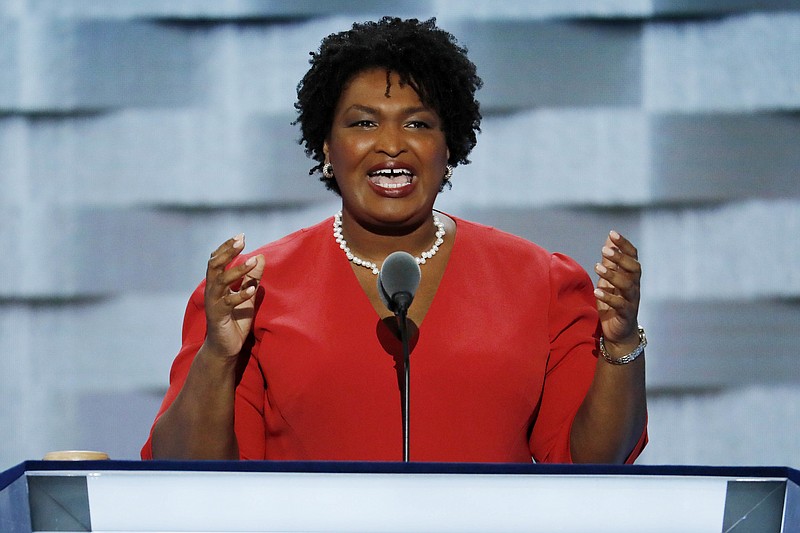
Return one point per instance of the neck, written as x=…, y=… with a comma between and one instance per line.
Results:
x=376, y=242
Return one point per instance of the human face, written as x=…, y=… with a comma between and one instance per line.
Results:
x=388, y=152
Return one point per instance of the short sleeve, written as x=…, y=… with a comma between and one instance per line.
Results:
x=572, y=328
x=250, y=389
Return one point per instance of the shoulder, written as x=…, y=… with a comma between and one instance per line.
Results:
x=498, y=245
x=509, y=252
x=294, y=252
x=296, y=245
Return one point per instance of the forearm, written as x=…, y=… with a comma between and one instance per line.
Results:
x=200, y=422
x=613, y=415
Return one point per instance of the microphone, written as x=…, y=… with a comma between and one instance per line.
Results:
x=398, y=281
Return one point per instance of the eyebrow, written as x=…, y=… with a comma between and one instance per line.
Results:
x=374, y=111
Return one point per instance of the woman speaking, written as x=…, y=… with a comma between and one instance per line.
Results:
x=289, y=352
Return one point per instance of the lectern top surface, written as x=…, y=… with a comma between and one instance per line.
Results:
x=270, y=496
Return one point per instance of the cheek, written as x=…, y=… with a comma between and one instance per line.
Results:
x=346, y=151
x=437, y=152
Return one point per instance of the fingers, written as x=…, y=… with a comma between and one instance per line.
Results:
x=232, y=285
x=621, y=252
x=238, y=292
x=255, y=270
x=619, y=273
x=250, y=274
x=222, y=256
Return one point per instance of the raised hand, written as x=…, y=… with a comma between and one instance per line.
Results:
x=611, y=421
x=230, y=298
x=617, y=291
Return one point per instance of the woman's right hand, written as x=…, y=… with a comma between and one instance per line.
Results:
x=229, y=313
x=199, y=424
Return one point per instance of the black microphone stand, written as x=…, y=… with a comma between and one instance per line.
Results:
x=402, y=302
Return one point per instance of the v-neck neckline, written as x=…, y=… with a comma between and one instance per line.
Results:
x=363, y=299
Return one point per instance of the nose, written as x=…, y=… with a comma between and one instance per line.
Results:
x=390, y=140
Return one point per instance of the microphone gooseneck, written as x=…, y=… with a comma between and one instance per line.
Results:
x=397, y=283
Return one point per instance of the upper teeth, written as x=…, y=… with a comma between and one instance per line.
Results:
x=393, y=172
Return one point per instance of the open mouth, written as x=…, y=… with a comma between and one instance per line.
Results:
x=391, y=178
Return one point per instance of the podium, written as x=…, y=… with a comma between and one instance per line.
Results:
x=166, y=496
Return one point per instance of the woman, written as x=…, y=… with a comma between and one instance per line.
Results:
x=289, y=353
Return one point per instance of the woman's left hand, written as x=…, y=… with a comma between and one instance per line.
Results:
x=617, y=292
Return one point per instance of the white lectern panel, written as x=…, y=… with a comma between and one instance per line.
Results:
x=325, y=502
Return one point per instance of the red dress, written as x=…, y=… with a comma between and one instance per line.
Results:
x=502, y=361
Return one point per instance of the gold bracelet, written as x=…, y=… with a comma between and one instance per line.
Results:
x=625, y=359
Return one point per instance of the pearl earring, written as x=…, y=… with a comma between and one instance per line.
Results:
x=448, y=172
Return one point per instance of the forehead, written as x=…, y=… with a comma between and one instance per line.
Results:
x=377, y=86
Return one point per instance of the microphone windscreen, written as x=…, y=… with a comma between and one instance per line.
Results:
x=399, y=273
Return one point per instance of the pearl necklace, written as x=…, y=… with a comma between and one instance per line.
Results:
x=337, y=234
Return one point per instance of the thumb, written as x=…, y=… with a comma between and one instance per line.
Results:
x=253, y=277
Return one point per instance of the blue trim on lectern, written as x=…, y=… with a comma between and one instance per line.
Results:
x=408, y=468
x=12, y=474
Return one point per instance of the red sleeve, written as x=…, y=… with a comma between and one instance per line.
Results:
x=250, y=390
x=573, y=327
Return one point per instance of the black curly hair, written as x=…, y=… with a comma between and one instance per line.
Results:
x=425, y=57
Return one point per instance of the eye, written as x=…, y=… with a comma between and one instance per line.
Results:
x=418, y=124
x=364, y=123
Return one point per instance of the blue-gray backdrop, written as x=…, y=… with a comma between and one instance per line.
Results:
x=135, y=135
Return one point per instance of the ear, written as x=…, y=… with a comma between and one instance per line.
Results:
x=325, y=149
